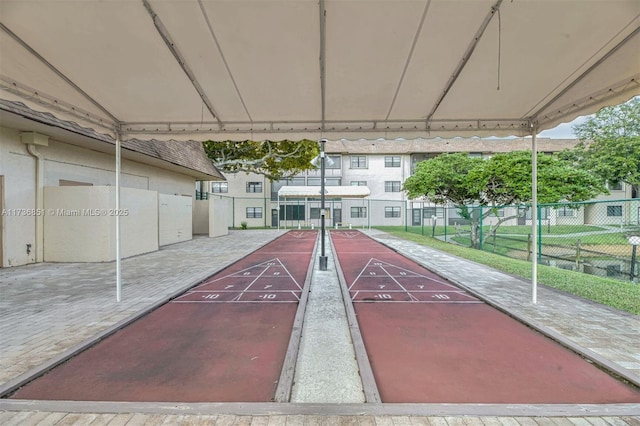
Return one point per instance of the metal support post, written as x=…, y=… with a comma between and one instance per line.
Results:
x=323, y=257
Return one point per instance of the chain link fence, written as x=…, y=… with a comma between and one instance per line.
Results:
x=597, y=237
x=591, y=237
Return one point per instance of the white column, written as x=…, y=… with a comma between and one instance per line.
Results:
x=118, y=259
x=534, y=214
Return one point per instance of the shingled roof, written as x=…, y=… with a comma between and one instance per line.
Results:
x=438, y=145
x=189, y=154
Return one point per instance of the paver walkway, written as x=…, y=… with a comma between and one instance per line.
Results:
x=46, y=309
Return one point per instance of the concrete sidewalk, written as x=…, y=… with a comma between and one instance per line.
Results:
x=46, y=309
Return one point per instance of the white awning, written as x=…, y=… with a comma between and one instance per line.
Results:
x=278, y=69
x=330, y=192
x=275, y=69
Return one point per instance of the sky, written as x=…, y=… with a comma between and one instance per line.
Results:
x=563, y=131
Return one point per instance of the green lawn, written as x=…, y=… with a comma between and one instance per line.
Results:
x=515, y=237
x=617, y=294
x=515, y=229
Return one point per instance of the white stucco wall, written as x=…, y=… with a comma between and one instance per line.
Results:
x=69, y=162
x=80, y=223
x=200, y=217
x=212, y=217
x=219, y=216
x=139, y=224
x=175, y=218
x=68, y=233
x=62, y=161
x=18, y=169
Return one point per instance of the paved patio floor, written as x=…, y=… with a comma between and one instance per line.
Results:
x=48, y=309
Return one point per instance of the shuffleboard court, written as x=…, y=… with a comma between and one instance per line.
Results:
x=429, y=341
x=224, y=340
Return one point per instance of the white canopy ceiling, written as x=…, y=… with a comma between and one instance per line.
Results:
x=273, y=69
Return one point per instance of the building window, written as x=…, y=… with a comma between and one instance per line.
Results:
x=358, y=183
x=429, y=212
x=392, y=161
x=614, y=270
x=64, y=182
x=254, y=186
x=614, y=186
x=392, y=212
x=314, y=213
x=358, y=212
x=358, y=161
x=219, y=187
x=543, y=215
x=254, y=212
x=332, y=181
x=392, y=186
x=337, y=162
x=614, y=211
x=566, y=212
x=292, y=212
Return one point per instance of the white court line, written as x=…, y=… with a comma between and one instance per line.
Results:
x=416, y=273
x=450, y=302
x=303, y=235
x=360, y=274
x=411, y=296
x=413, y=274
x=264, y=264
x=347, y=235
x=252, y=283
x=384, y=290
x=235, y=301
x=286, y=252
x=237, y=298
x=268, y=290
x=381, y=264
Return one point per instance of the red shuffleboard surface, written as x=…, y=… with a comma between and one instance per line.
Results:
x=224, y=340
x=429, y=341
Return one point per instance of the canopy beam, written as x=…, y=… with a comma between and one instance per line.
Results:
x=56, y=71
x=171, y=45
x=403, y=127
x=588, y=71
x=465, y=57
x=223, y=58
x=409, y=56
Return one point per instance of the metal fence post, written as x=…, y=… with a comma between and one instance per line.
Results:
x=539, y=242
x=480, y=222
x=406, y=223
x=445, y=223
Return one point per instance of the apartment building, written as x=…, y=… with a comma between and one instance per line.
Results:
x=383, y=166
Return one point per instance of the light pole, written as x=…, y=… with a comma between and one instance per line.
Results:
x=323, y=257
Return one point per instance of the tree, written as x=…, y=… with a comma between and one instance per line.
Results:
x=275, y=160
x=610, y=144
x=504, y=179
x=444, y=179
